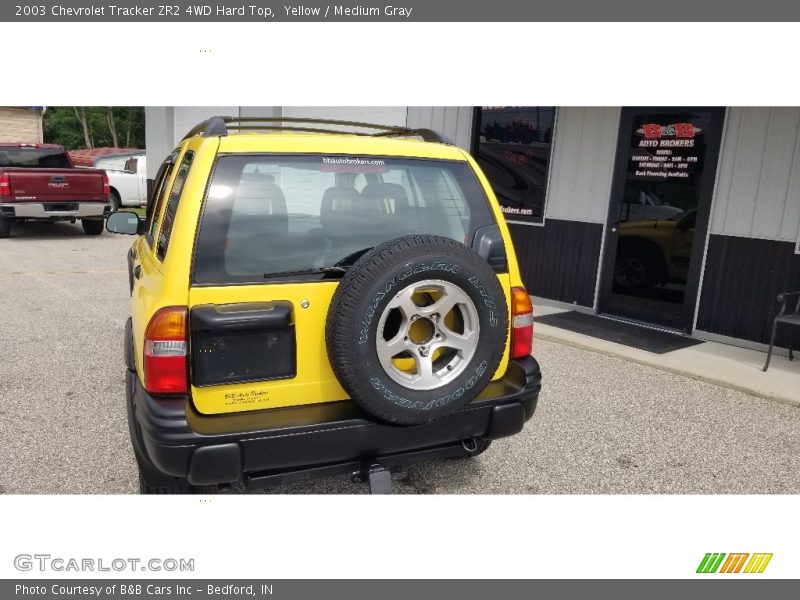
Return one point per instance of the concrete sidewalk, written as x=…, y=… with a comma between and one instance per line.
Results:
x=720, y=364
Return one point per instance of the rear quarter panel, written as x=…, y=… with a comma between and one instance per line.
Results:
x=166, y=283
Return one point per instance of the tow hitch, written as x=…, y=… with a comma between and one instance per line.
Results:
x=377, y=476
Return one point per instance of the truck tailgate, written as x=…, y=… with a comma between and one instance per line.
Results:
x=56, y=185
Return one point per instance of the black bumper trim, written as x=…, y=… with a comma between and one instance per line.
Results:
x=269, y=445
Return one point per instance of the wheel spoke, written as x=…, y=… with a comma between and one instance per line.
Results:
x=391, y=348
x=405, y=303
x=425, y=374
x=457, y=341
x=450, y=297
x=442, y=306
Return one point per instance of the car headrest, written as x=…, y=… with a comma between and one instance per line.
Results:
x=344, y=208
x=263, y=205
x=390, y=197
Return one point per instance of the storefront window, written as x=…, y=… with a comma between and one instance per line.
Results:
x=513, y=149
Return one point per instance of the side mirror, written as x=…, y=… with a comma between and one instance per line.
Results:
x=125, y=222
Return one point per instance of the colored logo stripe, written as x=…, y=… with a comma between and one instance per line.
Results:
x=710, y=562
x=758, y=563
x=733, y=564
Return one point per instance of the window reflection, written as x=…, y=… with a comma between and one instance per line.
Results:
x=514, y=149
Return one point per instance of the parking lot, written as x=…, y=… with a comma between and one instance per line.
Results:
x=604, y=425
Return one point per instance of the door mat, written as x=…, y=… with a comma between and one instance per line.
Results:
x=651, y=340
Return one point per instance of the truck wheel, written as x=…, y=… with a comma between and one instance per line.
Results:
x=5, y=227
x=634, y=273
x=416, y=328
x=113, y=197
x=92, y=226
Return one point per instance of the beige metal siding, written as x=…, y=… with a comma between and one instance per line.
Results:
x=582, y=164
x=186, y=117
x=159, y=135
x=20, y=125
x=380, y=115
x=758, y=189
x=165, y=126
x=453, y=121
x=260, y=111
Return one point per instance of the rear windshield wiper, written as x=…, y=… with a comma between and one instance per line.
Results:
x=316, y=271
x=339, y=267
x=350, y=259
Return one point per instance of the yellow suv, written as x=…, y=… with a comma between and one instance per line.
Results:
x=309, y=301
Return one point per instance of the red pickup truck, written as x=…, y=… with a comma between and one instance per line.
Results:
x=39, y=181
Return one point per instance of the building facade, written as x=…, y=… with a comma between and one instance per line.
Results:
x=21, y=124
x=681, y=218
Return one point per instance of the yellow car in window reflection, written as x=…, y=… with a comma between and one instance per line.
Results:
x=651, y=253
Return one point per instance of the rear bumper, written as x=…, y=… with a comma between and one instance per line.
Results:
x=282, y=445
x=54, y=210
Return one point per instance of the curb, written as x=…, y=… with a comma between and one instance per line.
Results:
x=722, y=382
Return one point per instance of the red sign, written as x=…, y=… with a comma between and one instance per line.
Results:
x=673, y=130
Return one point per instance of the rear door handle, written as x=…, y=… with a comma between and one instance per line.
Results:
x=137, y=271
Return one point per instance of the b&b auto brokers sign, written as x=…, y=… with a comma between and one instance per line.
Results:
x=665, y=151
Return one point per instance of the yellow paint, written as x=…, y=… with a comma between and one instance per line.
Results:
x=167, y=283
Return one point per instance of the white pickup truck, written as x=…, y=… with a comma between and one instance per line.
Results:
x=127, y=179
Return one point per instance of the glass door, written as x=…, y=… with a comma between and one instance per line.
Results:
x=658, y=216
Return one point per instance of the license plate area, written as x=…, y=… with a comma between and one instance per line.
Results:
x=243, y=342
x=61, y=207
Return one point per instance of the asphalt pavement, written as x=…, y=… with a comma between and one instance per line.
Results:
x=604, y=425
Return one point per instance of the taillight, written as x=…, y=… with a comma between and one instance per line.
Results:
x=106, y=187
x=521, y=323
x=5, y=187
x=165, y=352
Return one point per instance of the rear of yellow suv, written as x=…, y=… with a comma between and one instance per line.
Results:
x=308, y=302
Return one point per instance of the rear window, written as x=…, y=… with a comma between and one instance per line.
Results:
x=34, y=158
x=267, y=214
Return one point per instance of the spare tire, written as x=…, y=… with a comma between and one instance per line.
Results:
x=416, y=328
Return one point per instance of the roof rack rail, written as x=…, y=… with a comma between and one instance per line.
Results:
x=219, y=126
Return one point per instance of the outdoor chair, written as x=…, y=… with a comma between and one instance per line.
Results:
x=785, y=315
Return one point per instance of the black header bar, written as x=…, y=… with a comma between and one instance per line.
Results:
x=671, y=13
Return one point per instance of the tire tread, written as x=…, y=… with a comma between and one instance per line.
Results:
x=344, y=305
